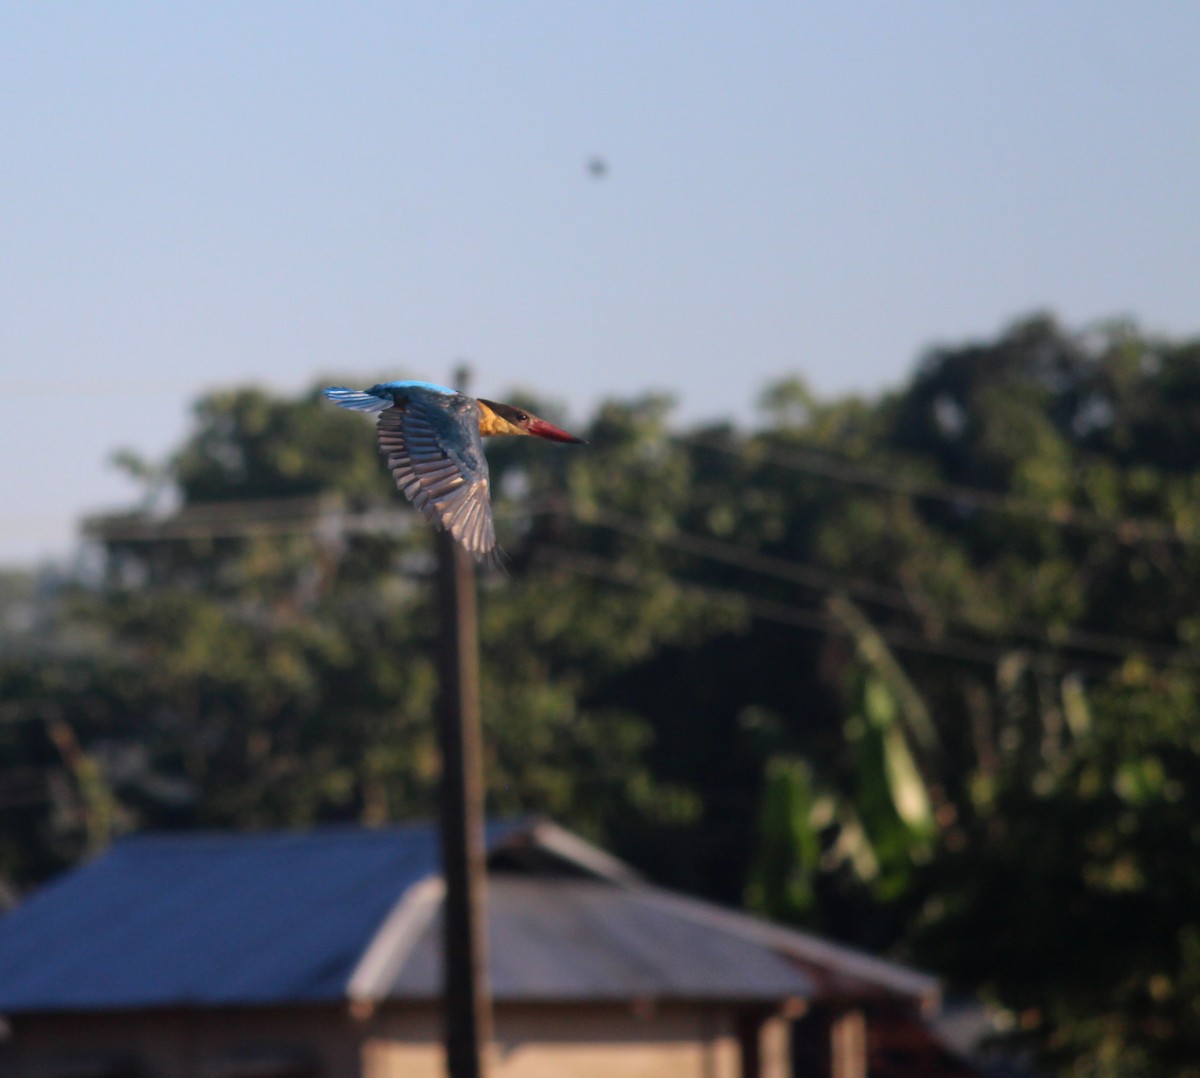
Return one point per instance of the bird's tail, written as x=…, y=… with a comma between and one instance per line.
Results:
x=358, y=399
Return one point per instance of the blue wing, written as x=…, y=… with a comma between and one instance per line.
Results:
x=435, y=454
x=359, y=400
x=383, y=395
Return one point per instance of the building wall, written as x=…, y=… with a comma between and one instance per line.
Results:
x=394, y=1041
x=584, y=1041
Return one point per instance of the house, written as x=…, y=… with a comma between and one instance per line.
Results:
x=317, y=955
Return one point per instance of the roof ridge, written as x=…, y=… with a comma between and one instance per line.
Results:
x=805, y=946
x=571, y=848
x=394, y=939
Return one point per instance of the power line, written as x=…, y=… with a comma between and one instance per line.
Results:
x=819, y=579
x=1126, y=530
x=802, y=573
x=772, y=610
x=325, y=517
x=301, y=515
x=814, y=620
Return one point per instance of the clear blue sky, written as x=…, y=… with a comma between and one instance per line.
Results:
x=198, y=194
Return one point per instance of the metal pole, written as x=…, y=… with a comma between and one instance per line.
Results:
x=467, y=996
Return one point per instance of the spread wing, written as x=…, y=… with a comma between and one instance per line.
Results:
x=435, y=454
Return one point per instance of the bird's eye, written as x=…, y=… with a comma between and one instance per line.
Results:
x=522, y=417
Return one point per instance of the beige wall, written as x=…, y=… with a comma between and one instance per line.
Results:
x=403, y=1041
x=579, y=1041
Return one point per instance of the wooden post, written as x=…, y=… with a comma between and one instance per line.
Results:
x=848, y=1044
x=467, y=996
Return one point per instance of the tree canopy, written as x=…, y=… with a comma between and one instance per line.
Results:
x=919, y=671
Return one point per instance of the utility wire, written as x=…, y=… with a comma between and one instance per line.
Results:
x=1127, y=530
x=808, y=619
x=803, y=573
x=247, y=519
x=296, y=516
x=772, y=610
x=1109, y=645
x=327, y=517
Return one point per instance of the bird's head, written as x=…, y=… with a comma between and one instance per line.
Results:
x=505, y=419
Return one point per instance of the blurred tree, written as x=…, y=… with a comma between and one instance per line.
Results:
x=921, y=670
x=262, y=655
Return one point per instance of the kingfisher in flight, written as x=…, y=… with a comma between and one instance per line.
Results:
x=432, y=438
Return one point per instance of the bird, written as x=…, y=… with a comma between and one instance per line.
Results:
x=432, y=438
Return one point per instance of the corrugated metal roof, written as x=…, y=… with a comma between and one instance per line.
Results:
x=576, y=939
x=353, y=913
x=164, y=920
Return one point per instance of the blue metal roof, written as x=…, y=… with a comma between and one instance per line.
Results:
x=352, y=913
x=169, y=920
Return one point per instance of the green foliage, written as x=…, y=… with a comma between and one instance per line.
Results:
x=921, y=670
x=785, y=868
x=890, y=794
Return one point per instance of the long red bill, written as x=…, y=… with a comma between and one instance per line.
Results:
x=549, y=431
